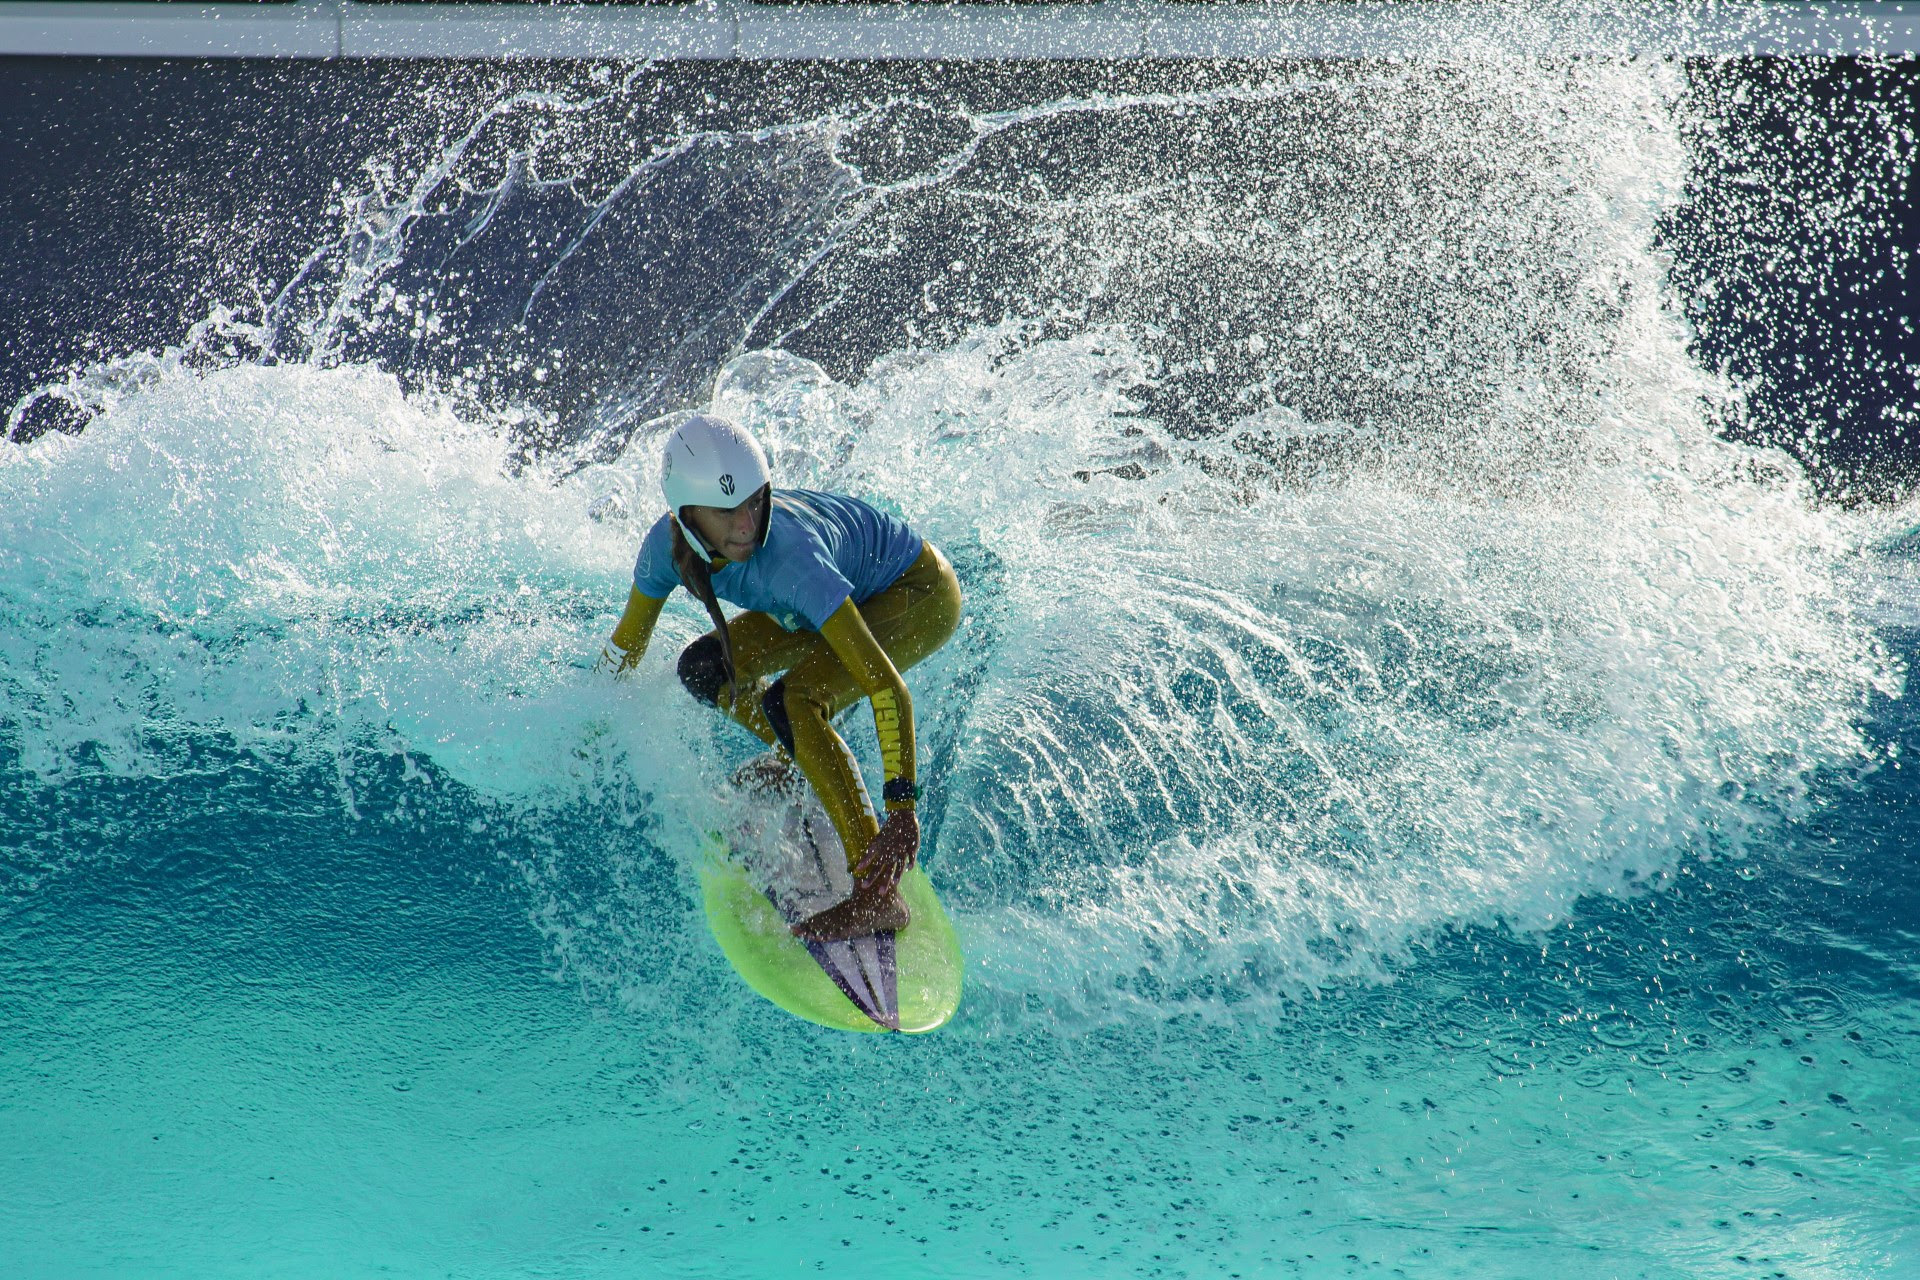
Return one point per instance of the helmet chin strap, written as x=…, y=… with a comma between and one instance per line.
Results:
x=693, y=539
x=766, y=511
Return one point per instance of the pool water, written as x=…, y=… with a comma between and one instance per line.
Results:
x=1422, y=782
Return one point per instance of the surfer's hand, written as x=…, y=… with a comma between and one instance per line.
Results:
x=876, y=903
x=873, y=908
x=893, y=850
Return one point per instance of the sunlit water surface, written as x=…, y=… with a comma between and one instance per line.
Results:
x=1417, y=799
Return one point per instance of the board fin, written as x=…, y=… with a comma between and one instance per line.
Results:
x=864, y=969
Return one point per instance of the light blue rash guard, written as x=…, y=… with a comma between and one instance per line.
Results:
x=821, y=549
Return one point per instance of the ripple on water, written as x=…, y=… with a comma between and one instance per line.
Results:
x=1810, y=1005
x=1461, y=1028
x=1734, y=1018
x=1512, y=1060
x=1618, y=1030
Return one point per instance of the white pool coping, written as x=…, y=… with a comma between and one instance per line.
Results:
x=1418, y=30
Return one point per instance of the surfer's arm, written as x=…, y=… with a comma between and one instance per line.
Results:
x=633, y=631
x=847, y=635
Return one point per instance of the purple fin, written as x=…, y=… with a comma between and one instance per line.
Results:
x=842, y=963
x=889, y=976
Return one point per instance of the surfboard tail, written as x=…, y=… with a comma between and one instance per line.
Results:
x=865, y=969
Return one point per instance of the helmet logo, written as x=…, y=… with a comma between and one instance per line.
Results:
x=726, y=485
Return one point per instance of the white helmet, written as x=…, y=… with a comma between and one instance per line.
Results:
x=710, y=462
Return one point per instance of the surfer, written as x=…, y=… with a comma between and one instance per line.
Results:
x=841, y=597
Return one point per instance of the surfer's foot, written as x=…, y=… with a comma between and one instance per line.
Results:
x=768, y=775
x=869, y=910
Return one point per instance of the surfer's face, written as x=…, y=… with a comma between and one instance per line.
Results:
x=734, y=532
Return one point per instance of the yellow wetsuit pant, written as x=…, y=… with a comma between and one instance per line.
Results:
x=910, y=619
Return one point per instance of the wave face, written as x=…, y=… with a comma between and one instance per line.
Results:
x=1356, y=559
x=1351, y=548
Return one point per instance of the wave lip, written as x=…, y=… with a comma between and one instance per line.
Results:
x=289, y=557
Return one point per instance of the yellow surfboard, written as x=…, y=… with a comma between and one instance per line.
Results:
x=774, y=874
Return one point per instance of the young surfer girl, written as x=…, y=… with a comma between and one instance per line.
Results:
x=841, y=597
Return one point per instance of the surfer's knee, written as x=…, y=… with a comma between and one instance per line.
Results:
x=703, y=669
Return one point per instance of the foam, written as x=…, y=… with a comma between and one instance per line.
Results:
x=302, y=560
x=1266, y=736
x=1448, y=606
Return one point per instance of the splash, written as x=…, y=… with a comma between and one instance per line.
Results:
x=1350, y=546
x=1222, y=728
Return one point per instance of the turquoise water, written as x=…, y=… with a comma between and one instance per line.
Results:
x=343, y=1051
x=1416, y=797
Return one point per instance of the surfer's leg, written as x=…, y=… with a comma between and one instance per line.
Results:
x=915, y=616
x=830, y=766
x=911, y=619
x=761, y=647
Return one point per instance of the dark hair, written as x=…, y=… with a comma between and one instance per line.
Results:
x=696, y=575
